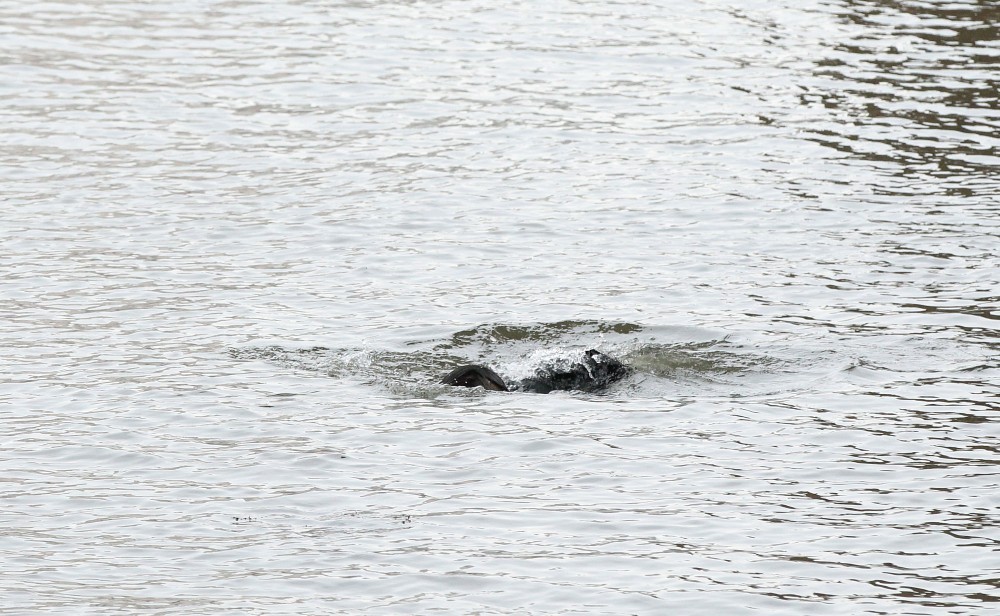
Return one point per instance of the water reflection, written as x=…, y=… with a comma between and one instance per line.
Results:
x=339, y=191
x=914, y=88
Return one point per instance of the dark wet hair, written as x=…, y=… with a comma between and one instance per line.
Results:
x=475, y=376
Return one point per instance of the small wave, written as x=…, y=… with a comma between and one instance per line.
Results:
x=664, y=361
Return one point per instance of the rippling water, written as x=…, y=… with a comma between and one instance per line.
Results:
x=242, y=242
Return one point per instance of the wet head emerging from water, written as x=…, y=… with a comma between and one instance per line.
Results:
x=475, y=376
x=594, y=372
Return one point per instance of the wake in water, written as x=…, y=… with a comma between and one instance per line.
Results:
x=593, y=372
x=633, y=362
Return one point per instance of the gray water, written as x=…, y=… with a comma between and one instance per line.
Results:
x=243, y=241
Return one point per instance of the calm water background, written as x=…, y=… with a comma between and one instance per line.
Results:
x=241, y=241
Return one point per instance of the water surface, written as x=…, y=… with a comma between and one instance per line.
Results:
x=243, y=241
